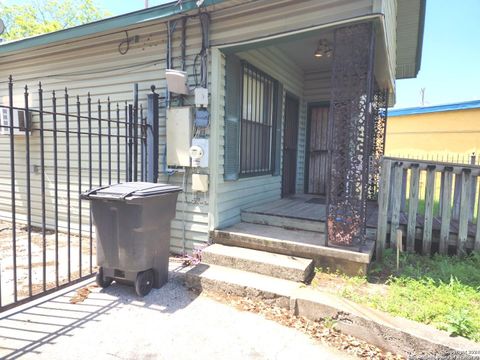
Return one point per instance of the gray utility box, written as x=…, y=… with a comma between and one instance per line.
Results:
x=132, y=222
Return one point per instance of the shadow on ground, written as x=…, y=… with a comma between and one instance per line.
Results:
x=26, y=329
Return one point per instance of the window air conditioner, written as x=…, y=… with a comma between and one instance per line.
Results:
x=20, y=122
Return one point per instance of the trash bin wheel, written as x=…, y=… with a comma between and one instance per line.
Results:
x=144, y=282
x=102, y=281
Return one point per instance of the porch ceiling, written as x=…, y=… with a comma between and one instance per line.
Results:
x=301, y=51
x=299, y=48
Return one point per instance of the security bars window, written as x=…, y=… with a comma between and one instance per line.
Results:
x=256, y=122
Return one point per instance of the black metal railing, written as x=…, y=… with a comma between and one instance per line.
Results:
x=61, y=149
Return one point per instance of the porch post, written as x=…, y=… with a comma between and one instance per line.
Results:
x=349, y=134
x=378, y=132
x=151, y=158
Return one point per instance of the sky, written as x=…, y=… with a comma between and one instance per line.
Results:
x=450, y=69
x=117, y=7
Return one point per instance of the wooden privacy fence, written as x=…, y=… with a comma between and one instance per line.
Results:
x=435, y=205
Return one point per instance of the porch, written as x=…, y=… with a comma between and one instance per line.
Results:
x=294, y=126
x=296, y=226
x=304, y=122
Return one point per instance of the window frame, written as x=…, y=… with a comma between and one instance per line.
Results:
x=269, y=112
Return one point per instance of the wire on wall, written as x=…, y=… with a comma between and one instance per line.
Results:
x=202, y=55
x=124, y=45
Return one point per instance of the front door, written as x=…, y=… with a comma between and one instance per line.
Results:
x=317, y=154
x=290, y=133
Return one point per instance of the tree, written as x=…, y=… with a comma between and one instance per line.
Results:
x=43, y=16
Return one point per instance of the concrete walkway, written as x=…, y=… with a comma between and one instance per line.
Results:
x=169, y=323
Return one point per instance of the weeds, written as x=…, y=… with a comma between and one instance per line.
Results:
x=441, y=291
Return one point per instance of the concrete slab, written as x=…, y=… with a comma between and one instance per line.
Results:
x=222, y=279
x=261, y=262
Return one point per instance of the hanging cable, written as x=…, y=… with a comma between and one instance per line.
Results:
x=202, y=56
x=124, y=46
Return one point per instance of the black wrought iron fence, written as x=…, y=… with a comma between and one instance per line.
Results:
x=53, y=148
x=450, y=158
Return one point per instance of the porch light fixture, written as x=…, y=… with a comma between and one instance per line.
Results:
x=324, y=50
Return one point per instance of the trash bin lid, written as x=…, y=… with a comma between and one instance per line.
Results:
x=129, y=190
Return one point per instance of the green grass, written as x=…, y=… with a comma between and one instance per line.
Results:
x=421, y=206
x=441, y=291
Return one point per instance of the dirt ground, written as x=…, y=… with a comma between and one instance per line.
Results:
x=42, y=254
x=336, y=284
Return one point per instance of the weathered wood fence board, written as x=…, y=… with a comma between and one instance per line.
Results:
x=438, y=201
x=464, y=211
x=428, y=218
x=396, y=203
x=383, y=201
x=446, y=200
x=413, y=207
x=476, y=245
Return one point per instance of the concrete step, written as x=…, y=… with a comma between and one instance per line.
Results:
x=286, y=222
x=221, y=279
x=298, y=243
x=269, y=238
x=262, y=262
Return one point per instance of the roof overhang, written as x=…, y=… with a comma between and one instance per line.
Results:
x=108, y=24
x=410, y=28
x=467, y=105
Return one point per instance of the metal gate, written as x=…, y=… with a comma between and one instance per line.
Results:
x=317, y=151
x=290, y=144
x=55, y=146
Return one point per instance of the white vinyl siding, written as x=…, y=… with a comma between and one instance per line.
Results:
x=93, y=64
x=232, y=196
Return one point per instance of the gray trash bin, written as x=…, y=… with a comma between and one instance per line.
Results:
x=132, y=222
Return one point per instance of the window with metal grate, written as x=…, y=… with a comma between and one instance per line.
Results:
x=257, y=122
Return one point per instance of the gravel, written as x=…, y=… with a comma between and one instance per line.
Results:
x=169, y=323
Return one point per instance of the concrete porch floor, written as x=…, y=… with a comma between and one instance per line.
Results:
x=169, y=323
x=307, y=207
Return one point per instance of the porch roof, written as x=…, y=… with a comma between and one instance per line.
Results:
x=137, y=17
x=410, y=28
x=410, y=25
x=466, y=105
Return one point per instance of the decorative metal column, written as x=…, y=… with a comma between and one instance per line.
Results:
x=379, y=112
x=349, y=134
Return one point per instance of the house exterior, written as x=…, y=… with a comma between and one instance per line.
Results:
x=435, y=132
x=296, y=92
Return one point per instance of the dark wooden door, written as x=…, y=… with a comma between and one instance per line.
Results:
x=290, y=142
x=317, y=154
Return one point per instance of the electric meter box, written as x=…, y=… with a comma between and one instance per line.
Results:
x=203, y=144
x=200, y=182
x=201, y=97
x=179, y=136
x=177, y=81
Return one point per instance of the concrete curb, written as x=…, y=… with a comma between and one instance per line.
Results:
x=394, y=334
x=397, y=335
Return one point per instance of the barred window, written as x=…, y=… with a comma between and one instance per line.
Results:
x=256, y=138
